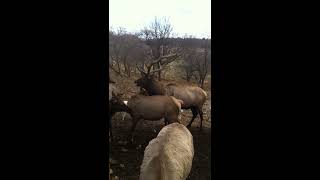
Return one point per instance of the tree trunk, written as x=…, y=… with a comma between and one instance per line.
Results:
x=129, y=70
x=119, y=68
x=159, y=76
x=156, y=66
x=202, y=78
x=125, y=68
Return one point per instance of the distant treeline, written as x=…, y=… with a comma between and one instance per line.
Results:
x=157, y=47
x=187, y=42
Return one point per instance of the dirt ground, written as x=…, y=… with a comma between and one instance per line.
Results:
x=126, y=159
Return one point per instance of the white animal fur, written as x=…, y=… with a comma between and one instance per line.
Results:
x=169, y=156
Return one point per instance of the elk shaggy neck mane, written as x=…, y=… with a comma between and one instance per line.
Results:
x=155, y=87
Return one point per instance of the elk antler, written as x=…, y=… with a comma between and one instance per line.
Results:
x=170, y=58
x=141, y=70
x=160, y=69
x=159, y=61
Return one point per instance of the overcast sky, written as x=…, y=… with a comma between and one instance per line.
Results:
x=192, y=17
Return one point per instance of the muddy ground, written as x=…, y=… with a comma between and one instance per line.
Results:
x=127, y=158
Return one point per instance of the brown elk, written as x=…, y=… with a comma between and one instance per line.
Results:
x=193, y=97
x=153, y=108
x=116, y=104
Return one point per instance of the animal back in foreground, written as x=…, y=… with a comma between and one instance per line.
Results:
x=169, y=156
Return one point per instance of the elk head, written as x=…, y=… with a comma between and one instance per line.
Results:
x=148, y=80
x=117, y=104
x=146, y=77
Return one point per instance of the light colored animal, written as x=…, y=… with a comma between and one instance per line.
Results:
x=169, y=156
x=154, y=108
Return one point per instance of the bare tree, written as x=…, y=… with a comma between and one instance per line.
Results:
x=189, y=62
x=131, y=52
x=115, y=46
x=157, y=37
x=125, y=50
x=188, y=55
x=202, y=63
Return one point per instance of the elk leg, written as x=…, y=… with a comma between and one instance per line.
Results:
x=194, y=113
x=201, y=117
x=134, y=123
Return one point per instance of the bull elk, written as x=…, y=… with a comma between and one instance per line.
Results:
x=193, y=97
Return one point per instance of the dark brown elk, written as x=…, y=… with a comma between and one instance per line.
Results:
x=193, y=97
x=116, y=104
x=153, y=108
